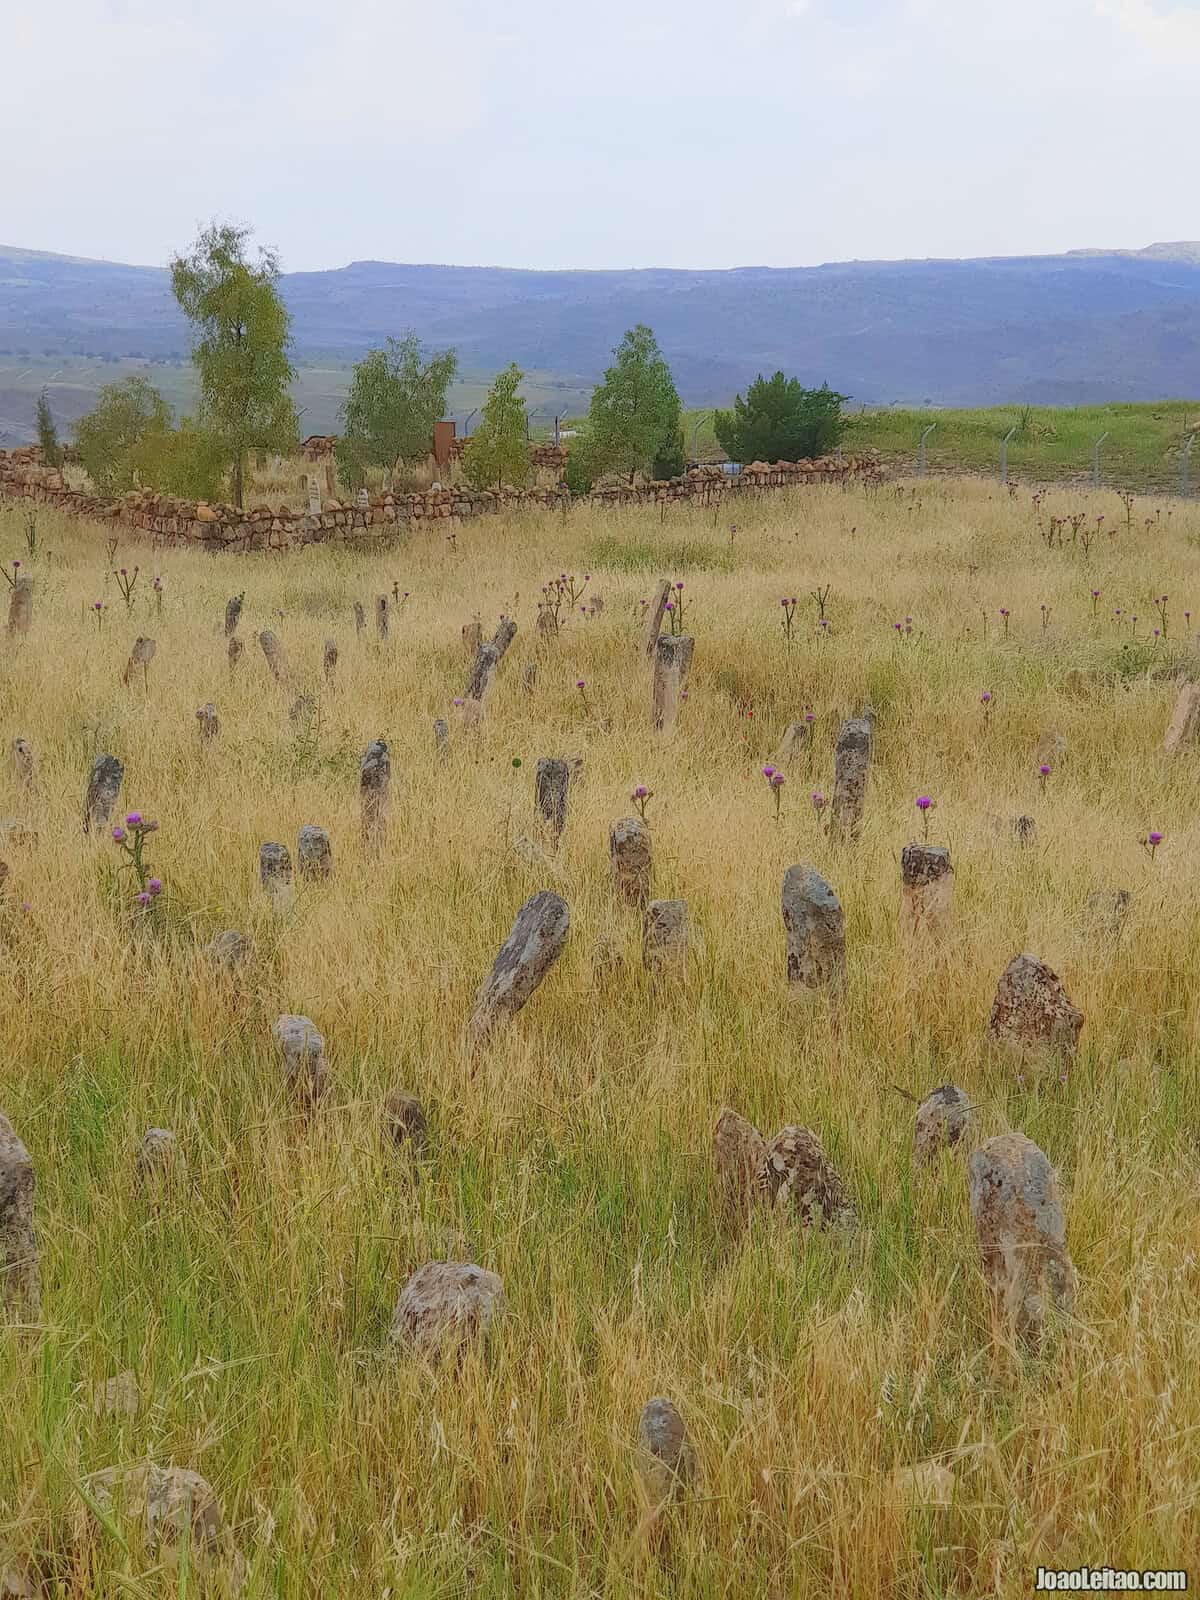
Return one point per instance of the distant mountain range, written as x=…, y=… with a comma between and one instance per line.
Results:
x=1088, y=326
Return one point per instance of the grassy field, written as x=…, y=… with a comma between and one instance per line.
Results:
x=250, y=1297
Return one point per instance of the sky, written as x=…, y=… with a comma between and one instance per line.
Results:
x=626, y=134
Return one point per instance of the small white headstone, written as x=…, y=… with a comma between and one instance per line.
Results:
x=314, y=497
x=364, y=500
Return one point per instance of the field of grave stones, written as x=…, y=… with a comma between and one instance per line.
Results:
x=601, y=1055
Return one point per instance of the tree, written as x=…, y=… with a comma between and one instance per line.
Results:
x=396, y=396
x=496, y=452
x=107, y=438
x=241, y=350
x=779, y=420
x=634, y=419
x=47, y=433
x=187, y=461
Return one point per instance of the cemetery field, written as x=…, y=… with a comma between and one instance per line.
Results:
x=860, y=1423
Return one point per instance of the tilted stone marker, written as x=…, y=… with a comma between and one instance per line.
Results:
x=739, y=1151
x=629, y=854
x=487, y=658
x=672, y=663
x=273, y=651
x=20, y=760
x=314, y=854
x=302, y=710
x=526, y=956
x=665, y=936
x=1021, y=1233
x=506, y=632
x=329, y=660
x=446, y=1307
x=795, y=737
x=926, y=890
x=796, y=1172
x=275, y=873
x=814, y=928
x=103, y=787
x=20, y=608
x=851, y=762
x=654, y=617
x=20, y=1278
x=404, y=1123
x=374, y=787
x=156, y=1154
x=550, y=794
x=942, y=1119
x=1031, y=1013
x=140, y=656
x=667, y=1461
x=172, y=1506
x=1185, y=720
x=228, y=950
x=233, y=614
x=360, y=619
x=210, y=723
x=303, y=1052
x=381, y=617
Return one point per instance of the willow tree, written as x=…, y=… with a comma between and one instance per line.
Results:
x=243, y=336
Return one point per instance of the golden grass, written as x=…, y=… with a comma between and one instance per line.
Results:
x=252, y=1302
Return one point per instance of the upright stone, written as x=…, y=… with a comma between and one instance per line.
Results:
x=1185, y=720
x=275, y=873
x=1021, y=1233
x=1031, y=1013
x=104, y=785
x=1051, y=748
x=654, y=617
x=314, y=853
x=550, y=794
x=374, y=786
x=229, y=950
x=303, y=1052
x=667, y=1461
x=20, y=760
x=441, y=738
x=329, y=660
x=381, y=617
x=233, y=614
x=629, y=854
x=672, y=663
x=210, y=723
x=814, y=928
x=796, y=1172
x=472, y=638
x=506, y=632
x=236, y=650
x=20, y=1279
x=795, y=737
x=526, y=956
x=851, y=761
x=926, y=890
x=665, y=935
x=360, y=619
x=404, y=1122
x=156, y=1154
x=140, y=656
x=739, y=1151
x=529, y=677
x=20, y=608
x=273, y=651
x=445, y=1308
x=172, y=1506
x=942, y=1119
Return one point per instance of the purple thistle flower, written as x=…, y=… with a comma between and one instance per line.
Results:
x=118, y=834
x=579, y=683
x=777, y=780
x=142, y=899
x=923, y=802
x=1043, y=770
x=986, y=697
x=768, y=773
x=134, y=819
x=154, y=886
x=640, y=792
x=1155, y=838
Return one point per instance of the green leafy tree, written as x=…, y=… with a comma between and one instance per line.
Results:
x=47, y=433
x=108, y=437
x=396, y=396
x=187, y=461
x=634, y=420
x=241, y=350
x=497, y=451
x=780, y=420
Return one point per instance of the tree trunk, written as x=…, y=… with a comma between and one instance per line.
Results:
x=237, y=481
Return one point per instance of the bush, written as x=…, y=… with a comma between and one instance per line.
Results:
x=781, y=421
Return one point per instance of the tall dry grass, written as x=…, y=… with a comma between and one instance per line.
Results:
x=252, y=1301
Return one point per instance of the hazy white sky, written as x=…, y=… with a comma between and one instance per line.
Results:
x=626, y=133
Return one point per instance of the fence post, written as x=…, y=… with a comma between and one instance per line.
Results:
x=1185, y=467
x=1096, y=459
x=1004, y=454
x=921, y=450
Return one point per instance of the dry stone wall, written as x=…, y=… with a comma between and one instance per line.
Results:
x=261, y=527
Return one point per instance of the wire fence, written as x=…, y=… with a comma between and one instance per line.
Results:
x=1124, y=462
